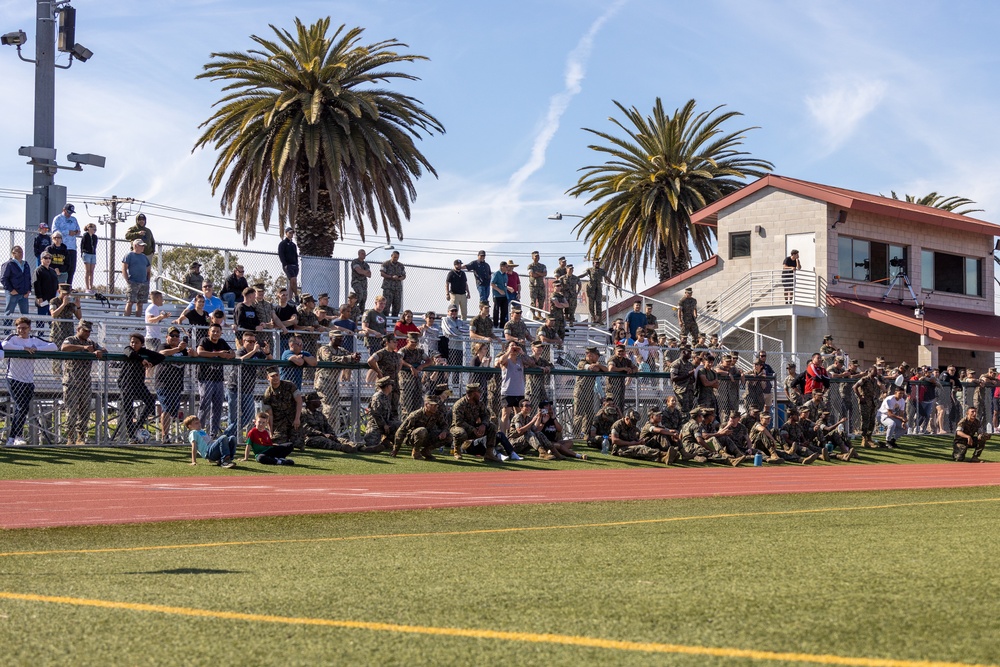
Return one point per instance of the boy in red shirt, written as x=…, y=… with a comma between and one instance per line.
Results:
x=265, y=451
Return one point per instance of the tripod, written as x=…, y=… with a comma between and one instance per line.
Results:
x=901, y=280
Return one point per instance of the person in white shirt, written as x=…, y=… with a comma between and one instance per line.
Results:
x=21, y=376
x=154, y=315
x=892, y=414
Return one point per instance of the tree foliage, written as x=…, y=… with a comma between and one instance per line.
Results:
x=307, y=127
x=935, y=200
x=661, y=170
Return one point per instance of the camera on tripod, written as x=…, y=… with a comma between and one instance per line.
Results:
x=898, y=263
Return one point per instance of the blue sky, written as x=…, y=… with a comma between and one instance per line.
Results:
x=870, y=96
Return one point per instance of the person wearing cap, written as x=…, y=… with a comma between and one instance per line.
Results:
x=155, y=313
x=868, y=389
x=516, y=330
x=393, y=274
x=828, y=349
x=571, y=290
x=595, y=276
x=59, y=252
x=793, y=435
x=316, y=430
x=137, y=271
x=839, y=379
x=551, y=433
x=383, y=418
x=234, y=286
x=764, y=442
x=140, y=231
x=298, y=359
x=456, y=288
x=513, y=282
x=471, y=419
x=561, y=269
x=424, y=429
x=413, y=360
x=288, y=255
x=548, y=334
x=483, y=274
x=345, y=325
x=168, y=380
x=603, y=421
x=211, y=389
x=584, y=396
x=69, y=229
x=687, y=315
x=683, y=379
x=45, y=284
x=76, y=379
x=456, y=330
x=360, y=273
x=65, y=310
x=500, y=292
x=536, y=284
x=559, y=303
x=21, y=376
x=41, y=242
x=651, y=321
x=132, y=386
x=621, y=365
x=193, y=279
x=627, y=442
x=827, y=431
x=307, y=326
x=16, y=282
x=789, y=266
x=327, y=380
x=324, y=311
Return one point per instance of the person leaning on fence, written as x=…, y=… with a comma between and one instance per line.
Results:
x=132, y=386
x=584, y=397
x=471, y=420
x=265, y=450
x=621, y=366
x=413, y=360
x=211, y=390
x=316, y=430
x=299, y=359
x=220, y=451
x=77, y=392
x=386, y=363
x=168, y=380
x=288, y=255
x=284, y=403
x=536, y=383
x=968, y=436
x=16, y=282
x=548, y=333
x=136, y=270
x=324, y=311
x=241, y=379
x=382, y=418
x=327, y=383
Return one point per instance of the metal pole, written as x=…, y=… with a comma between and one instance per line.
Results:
x=45, y=102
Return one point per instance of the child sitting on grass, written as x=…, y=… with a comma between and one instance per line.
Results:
x=220, y=451
x=265, y=451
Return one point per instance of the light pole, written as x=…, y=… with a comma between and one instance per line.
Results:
x=559, y=216
x=47, y=198
x=380, y=247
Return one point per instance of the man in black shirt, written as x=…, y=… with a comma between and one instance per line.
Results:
x=288, y=314
x=288, y=255
x=245, y=315
x=242, y=379
x=132, y=383
x=168, y=380
x=456, y=287
x=232, y=290
x=211, y=390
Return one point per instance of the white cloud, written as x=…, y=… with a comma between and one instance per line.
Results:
x=841, y=107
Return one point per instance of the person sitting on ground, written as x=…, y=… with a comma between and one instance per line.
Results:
x=694, y=446
x=626, y=441
x=826, y=432
x=264, y=449
x=522, y=435
x=382, y=419
x=967, y=436
x=424, y=430
x=794, y=437
x=220, y=451
x=316, y=430
x=550, y=430
x=764, y=442
x=654, y=434
x=605, y=418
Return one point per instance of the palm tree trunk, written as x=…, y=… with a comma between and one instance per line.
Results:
x=315, y=229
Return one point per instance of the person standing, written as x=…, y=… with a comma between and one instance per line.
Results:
x=132, y=384
x=561, y=270
x=245, y=315
x=242, y=378
x=393, y=275
x=16, y=282
x=571, y=289
x=298, y=359
x=512, y=364
x=69, y=229
x=635, y=319
x=687, y=315
x=483, y=273
x=136, y=270
x=168, y=380
x=88, y=248
x=154, y=315
x=456, y=288
x=42, y=241
x=21, y=376
x=59, y=252
x=76, y=383
x=140, y=231
x=596, y=276
x=360, y=273
x=789, y=266
x=45, y=284
x=500, y=291
x=288, y=255
x=456, y=330
x=194, y=279
x=211, y=390
x=868, y=389
x=65, y=310
x=536, y=284
x=513, y=282
x=584, y=406
x=327, y=381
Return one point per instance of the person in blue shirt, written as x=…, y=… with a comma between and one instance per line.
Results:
x=212, y=302
x=499, y=287
x=42, y=241
x=298, y=358
x=483, y=273
x=635, y=319
x=16, y=282
x=66, y=223
x=220, y=451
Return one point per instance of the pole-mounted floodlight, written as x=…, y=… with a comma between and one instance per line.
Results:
x=14, y=39
x=380, y=247
x=559, y=216
x=81, y=53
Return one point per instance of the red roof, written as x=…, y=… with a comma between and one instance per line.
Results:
x=850, y=200
x=666, y=284
x=968, y=330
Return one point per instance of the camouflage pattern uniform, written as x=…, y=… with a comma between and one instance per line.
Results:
x=389, y=364
x=282, y=404
x=595, y=291
x=762, y=440
x=548, y=332
x=622, y=430
x=526, y=443
x=328, y=380
x=658, y=441
x=421, y=431
x=870, y=389
x=584, y=400
x=812, y=408
x=794, y=393
x=412, y=398
x=467, y=416
x=688, y=322
x=672, y=419
x=76, y=392
x=706, y=394
x=536, y=286
x=559, y=311
x=571, y=289
x=535, y=383
x=316, y=431
x=359, y=284
x=683, y=381
x=616, y=384
x=392, y=290
x=734, y=444
x=382, y=422
x=690, y=447
x=651, y=322
x=604, y=420
x=63, y=327
x=265, y=312
x=518, y=330
x=960, y=445
x=310, y=339
x=794, y=435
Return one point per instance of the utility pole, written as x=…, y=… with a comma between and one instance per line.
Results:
x=112, y=219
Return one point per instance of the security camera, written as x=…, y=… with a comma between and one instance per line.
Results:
x=81, y=52
x=14, y=38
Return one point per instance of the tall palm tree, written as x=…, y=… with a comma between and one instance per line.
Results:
x=306, y=127
x=935, y=200
x=663, y=170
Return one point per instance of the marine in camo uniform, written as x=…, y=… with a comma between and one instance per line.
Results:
x=284, y=401
x=65, y=310
x=382, y=419
x=654, y=434
x=328, y=379
x=584, y=396
x=412, y=360
x=76, y=382
x=869, y=392
x=626, y=440
x=968, y=436
x=536, y=284
x=536, y=383
x=687, y=315
x=622, y=366
x=316, y=430
x=682, y=378
x=571, y=288
x=424, y=430
x=386, y=363
x=596, y=276
x=393, y=275
x=471, y=419
x=360, y=273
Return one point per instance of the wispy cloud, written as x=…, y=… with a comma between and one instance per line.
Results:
x=840, y=109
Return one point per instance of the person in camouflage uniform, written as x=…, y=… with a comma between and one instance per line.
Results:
x=548, y=334
x=360, y=273
x=826, y=431
x=694, y=445
x=815, y=405
x=523, y=436
x=382, y=419
x=76, y=383
x=794, y=437
x=387, y=363
x=673, y=418
x=571, y=289
x=316, y=430
x=620, y=364
x=602, y=422
x=968, y=436
x=766, y=444
x=309, y=328
x=328, y=379
x=792, y=387
x=424, y=430
x=536, y=284
x=64, y=309
x=869, y=392
x=393, y=274
x=708, y=382
x=560, y=305
x=535, y=383
x=516, y=330
x=728, y=391
x=412, y=360
x=626, y=441
x=656, y=435
x=828, y=349
x=284, y=403
x=733, y=440
x=651, y=321
x=471, y=419
x=584, y=396
x=682, y=378
x=596, y=276
x=687, y=315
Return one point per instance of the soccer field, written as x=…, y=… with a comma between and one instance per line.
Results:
x=887, y=579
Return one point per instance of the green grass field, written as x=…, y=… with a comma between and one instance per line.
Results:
x=898, y=576
x=79, y=462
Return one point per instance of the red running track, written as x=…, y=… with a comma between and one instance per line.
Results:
x=76, y=502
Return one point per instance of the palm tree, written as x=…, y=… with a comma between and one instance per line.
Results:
x=935, y=200
x=663, y=170
x=306, y=127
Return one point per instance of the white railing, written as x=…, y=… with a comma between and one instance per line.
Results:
x=759, y=289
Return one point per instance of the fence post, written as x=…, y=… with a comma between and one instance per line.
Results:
x=225, y=267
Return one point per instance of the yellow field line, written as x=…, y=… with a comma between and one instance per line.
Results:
x=490, y=531
x=530, y=637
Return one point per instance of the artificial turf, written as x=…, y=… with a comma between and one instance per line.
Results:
x=908, y=576
x=151, y=461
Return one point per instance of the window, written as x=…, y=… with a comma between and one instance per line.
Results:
x=954, y=274
x=739, y=245
x=870, y=261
